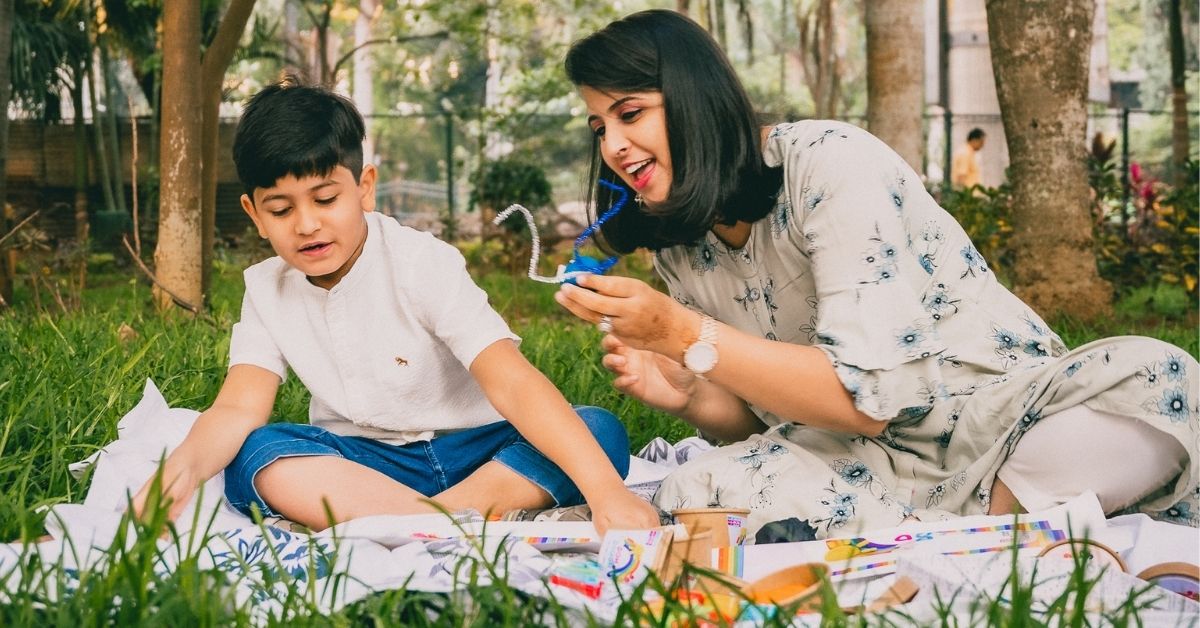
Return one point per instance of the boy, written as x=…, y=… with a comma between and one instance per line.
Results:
x=418, y=389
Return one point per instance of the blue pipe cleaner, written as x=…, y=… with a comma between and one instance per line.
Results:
x=581, y=263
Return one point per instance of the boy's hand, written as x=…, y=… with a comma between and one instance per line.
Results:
x=622, y=510
x=178, y=485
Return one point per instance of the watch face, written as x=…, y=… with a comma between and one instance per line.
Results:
x=700, y=357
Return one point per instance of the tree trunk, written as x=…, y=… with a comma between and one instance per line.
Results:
x=819, y=56
x=895, y=75
x=81, y=156
x=212, y=76
x=99, y=149
x=112, y=136
x=1040, y=52
x=6, y=21
x=718, y=7
x=1180, y=137
x=177, y=255
x=364, y=74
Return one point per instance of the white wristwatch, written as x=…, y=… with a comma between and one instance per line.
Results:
x=701, y=356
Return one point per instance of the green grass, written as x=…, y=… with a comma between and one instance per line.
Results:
x=65, y=380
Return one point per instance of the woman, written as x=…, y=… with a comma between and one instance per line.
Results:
x=838, y=326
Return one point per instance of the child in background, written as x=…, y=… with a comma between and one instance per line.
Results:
x=418, y=389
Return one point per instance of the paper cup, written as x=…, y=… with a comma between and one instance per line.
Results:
x=728, y=525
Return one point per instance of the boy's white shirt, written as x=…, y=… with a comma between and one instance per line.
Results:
x=386, y=352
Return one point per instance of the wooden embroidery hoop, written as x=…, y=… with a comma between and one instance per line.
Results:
x=1096, y=549
x=1179, y=570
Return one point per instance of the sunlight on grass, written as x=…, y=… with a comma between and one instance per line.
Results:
x=67, y=379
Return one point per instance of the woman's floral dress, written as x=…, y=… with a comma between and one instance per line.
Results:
x=858, y=260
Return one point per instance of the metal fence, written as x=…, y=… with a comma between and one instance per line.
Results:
x=411, y=152
x=426, y=160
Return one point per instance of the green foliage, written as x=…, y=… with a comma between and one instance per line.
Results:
x=1151, y=241
x=986, y=215
x=509, y=180
x=1140, y=246
x=504, y=182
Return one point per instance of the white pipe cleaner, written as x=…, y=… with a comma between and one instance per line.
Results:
x=537, y=243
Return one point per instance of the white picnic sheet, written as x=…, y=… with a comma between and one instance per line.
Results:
x=426, y=552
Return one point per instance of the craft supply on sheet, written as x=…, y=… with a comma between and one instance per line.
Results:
x=628, y=556
x=1088, y=550
x=727, y=524
x=875, y=553
x=578, y=572
x=427, y=552
x=1177, y=577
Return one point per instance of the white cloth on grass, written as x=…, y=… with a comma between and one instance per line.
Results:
x=266, y=565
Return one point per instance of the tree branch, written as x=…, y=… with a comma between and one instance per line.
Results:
x=196, y=311
x=386, y=40
x=224, y=43
x=20, y=224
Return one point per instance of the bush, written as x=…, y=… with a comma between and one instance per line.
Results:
x=1153, y=240
x=1149, y=242
x=503, y=182
x=986, y=215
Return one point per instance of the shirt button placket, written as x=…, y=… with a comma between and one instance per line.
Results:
x=339, y=334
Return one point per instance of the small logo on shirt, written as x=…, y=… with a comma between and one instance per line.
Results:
x=401, y=361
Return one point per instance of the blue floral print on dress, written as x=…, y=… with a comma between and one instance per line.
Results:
x=781, y=217
x=880, y=258
x=1035, y=348
x=813, y=198
x=828, y=133
x=1073, y=368
x=973, y=260
x=705, y=259
x=1174, y=405
x=768, y=292
x=1174, y=367
x=936, y=493
x=748, y=297
x=943, y=439
x=1004, y=338
x=932, y=237
x=1037, y=328
x=853, y=472
x=911, y=340
x=759, y=453
x=1027, y=421
x=841, y=508
x=939, y=303
x=762, y=497
x=1148, y=375
x=896, y=191
x=1180, y=513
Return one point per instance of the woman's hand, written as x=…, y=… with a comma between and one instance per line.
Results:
x=642, y=317
x=652, y=378
x=622, y=510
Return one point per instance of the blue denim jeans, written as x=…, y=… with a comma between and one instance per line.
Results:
x=428, y=467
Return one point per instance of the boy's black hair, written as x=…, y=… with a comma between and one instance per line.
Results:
x=293, y=129
x=718, y=174
x=976, y=134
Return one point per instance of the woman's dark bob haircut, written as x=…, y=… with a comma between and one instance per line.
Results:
x=716, y=156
